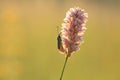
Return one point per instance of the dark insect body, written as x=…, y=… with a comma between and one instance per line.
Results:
x=59, y=41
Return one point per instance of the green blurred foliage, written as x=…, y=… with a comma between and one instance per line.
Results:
x=28, y=47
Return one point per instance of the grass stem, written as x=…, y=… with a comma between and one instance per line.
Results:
x=64, y=67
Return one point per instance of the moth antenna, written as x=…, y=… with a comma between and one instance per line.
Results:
x=58, y=30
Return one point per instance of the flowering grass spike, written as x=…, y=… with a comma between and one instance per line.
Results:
x=72, y=31
x=71, y=35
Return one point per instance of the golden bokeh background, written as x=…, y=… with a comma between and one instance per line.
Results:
x=28, y=34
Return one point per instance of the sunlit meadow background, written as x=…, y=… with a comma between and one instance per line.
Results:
x=28, y=34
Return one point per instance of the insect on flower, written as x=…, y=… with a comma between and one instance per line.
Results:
x=59, y=42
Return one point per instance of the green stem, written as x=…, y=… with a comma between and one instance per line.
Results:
x=64, y=67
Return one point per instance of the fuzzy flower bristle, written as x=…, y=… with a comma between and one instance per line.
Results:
x=73, y=30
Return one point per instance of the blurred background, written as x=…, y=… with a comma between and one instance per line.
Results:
x=28, y=47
